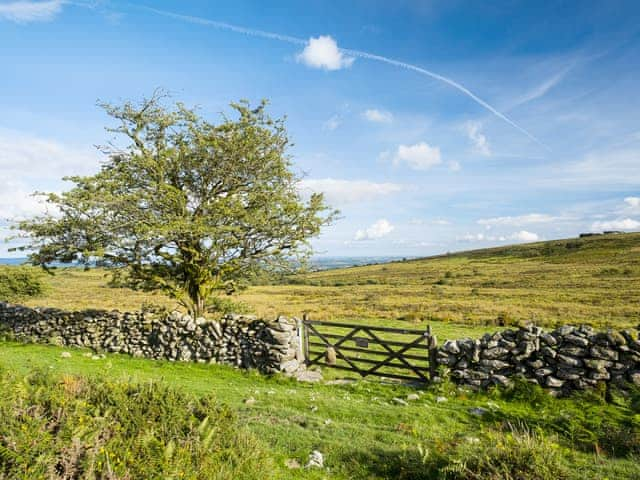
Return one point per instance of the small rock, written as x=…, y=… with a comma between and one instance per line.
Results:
x=292, y=463
x=400, y=401
x=308, y=376
x=441, y=399
x=328, y=421
x=413, y=396
x=316, y=460
x=250, y=401
x=478, y=411
x=65, y=355
x=95, y=357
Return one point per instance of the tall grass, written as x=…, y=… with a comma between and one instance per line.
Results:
x=73, y=427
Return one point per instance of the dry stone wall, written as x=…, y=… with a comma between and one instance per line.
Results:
x=567, y=358
x=242, y=341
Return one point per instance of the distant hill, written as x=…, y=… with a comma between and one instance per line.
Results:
x=593, y=279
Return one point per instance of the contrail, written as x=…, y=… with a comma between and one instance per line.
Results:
x=354, y=53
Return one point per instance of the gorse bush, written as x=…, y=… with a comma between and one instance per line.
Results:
x=20, y=282
x=515, y=454
x=74, y=428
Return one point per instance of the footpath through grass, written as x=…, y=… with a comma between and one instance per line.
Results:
x=364, y=433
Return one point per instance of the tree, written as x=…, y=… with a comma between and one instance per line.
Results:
x=187, y=206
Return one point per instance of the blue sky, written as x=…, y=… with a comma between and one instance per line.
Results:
x=525, y=125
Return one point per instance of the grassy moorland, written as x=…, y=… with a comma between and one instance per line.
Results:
x=365, y=429
x=104, y=418
x=594, y=280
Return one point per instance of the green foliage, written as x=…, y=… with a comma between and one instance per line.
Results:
x=72, y=427
x=226, y=305
x=17, y=283
x=184, y=206
x=515, y=454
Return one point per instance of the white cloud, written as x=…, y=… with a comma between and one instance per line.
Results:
x=17, y=201
x=379, y=229
x=619, y=224
x=435, y=221
x=479, y=140
x=378, y=116
x=472, y=237
x=339, y=191
x=633, y=202
x=524, y=236
x=455, y=166
x=521, y=236
x=517, y=221
x=420, y=156
x=23, y=11
x=323, y=52
x=29, y=156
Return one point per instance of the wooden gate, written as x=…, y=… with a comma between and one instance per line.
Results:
x=367, y=350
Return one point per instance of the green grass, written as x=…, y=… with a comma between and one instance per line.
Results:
x=364, y=433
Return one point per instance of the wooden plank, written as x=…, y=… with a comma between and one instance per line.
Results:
x=393, y=343
x=387, y=364
x=397, y=353
x=379, y=329
x=385, y=353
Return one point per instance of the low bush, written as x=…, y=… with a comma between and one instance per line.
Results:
x=226, y=305
x=514, y=454
x=77, y=428
x=20, y=282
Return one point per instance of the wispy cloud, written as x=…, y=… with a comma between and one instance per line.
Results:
x=323, y=52
x=520, y=220
x=332, y=123
x=340, y=192
x=377, y=116
x=542, y=88
x=478, y=139
x=379, y=229
x=519, y=237
x=617, y=224
x=25, y=155
x=24, y=11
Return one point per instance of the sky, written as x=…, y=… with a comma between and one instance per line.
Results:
x=432, y=126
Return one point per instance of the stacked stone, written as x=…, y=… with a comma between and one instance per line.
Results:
x=240, y=340
x=567, y=358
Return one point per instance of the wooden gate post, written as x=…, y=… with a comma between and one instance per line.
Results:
x=305, y=338
x=432, y=346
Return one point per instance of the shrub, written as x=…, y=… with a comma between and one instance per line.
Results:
x=226, y=305
x=20, y=282
x=516, y=454
x=80, y=428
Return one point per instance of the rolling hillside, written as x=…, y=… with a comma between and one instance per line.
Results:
x=593, y=280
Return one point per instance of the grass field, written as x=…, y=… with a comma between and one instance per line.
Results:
x=365, y=429
x=594, y=280
x=364, y=433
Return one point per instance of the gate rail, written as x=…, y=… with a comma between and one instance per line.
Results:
x=414, y=359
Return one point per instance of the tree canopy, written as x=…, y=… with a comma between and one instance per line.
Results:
x=186, y=206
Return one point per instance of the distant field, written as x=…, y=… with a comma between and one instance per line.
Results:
x=594, y=280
